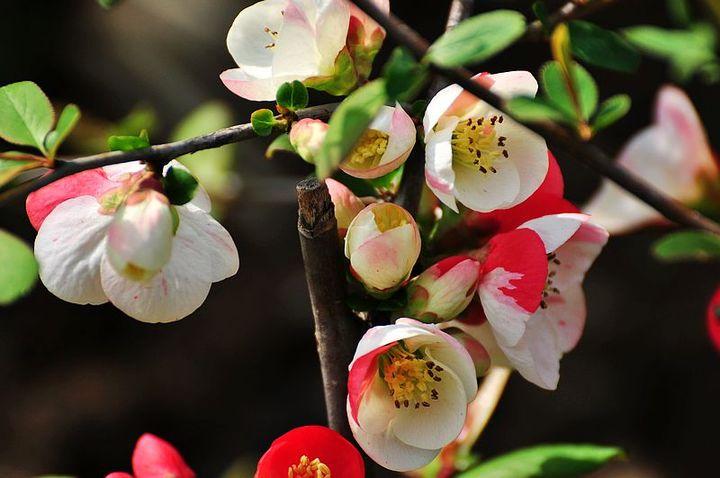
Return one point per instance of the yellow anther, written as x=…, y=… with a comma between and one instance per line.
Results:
x=410, y=377
x=389, y=217
x=307, y=468
x=476, y=143
x=369, y=149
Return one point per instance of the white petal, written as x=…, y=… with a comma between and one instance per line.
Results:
x=362, y=229
x=528, y=152
x=296, y=50
x=514, y=83
x=504, y=314
x=439, y=105
x=567, y=313
x=377, y=408
x=439, y=174
x=386, y=260
x=401, y=130
x=490, y=191
x=254, y=88
x=331, y=31
x=247, y=39
x=382, y=335
x=555, y=229
x=69, y=248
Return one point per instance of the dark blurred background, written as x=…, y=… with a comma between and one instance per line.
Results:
x=78, y=384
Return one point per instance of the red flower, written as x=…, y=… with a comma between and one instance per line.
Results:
x=713, y=319
x=311, y=452
x=155, y=458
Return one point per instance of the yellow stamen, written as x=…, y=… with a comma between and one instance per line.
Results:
x=410, y=377
x=475, y=143
x=388, y=216
x=369, y=150
x=307, y=468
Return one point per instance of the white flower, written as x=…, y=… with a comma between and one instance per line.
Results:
x=672, y=154
x=408, y=390
x=476, y=155
x=74, y=216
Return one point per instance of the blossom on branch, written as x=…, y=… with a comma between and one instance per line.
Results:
x=311, y=452
x=382, y=244
x=672, y=155
x=103, y=236
x=408, y=390
x=476, y=155
x=155, y=458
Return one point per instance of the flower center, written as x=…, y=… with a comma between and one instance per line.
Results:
x=369, y=149
x=550, y=289
x=273, y=37
x=475, y=143
x=307, y=468
x=410, y=377
x=388, y=217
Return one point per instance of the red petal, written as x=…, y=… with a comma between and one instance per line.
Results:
x=361, y=375
x=314, y=442
x=155, y=458
x=713, y=319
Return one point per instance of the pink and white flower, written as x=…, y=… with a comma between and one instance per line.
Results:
x=672, y=154
x=444, y=290
x=383, y=244
x=307, y=137
x=476, y=155
x=408, y=390
x=80, y=228
x=347, y=205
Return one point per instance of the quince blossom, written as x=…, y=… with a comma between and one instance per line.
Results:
x=672, y=154
x=324, y=43
x=476, y=155
x=311, y=452
x=307, y=137
x=408, y=390
x=155, y=458
x=93, y=228
x=382, y=244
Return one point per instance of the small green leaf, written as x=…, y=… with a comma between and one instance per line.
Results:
x=404, y=77
x=129, y=143
x=19, y=270
x=292, y=95
x=558, y=93
x=600, y=47
x=66, y=123
x=537, y=109
x=348, y=123
x=545, y=461
x=11, y=168
x=478, y=38
x=263, y=122
x=26, y=115
x=688, y=245
x=610, y=111
x=179, y=185
x=280, y=145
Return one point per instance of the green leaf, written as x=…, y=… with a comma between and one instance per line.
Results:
x=128, y=143
x=263, y=122
x=292, y=95
x=66, y=123
x=404, y=76
x=26, y=115
x=688, y=245
x=558, y=93
x=478, y=38
x=537, y=109
x=280, y=145
x=179, y=185
x=347, y=125
x=19, y=270
x=545, y=461
x=600, y=47
x=610, y=111
x=388, y=182
x=11, y=168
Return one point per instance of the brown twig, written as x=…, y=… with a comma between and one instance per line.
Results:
x=572, y=10
x=159, y=153
x=557, y=137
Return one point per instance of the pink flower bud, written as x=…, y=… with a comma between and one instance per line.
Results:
x=307, y=136
x=383, y=244
x=444, y=290
x=140, y=236
x=347, y=205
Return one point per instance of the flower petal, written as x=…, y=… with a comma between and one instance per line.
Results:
x=439, y=173
x=555, y=229
x=386, y=261
x=331, y=31
x=69, y=248
x=438, y=106
x=713, y=319
x=254, y=88
x=296, y=49
x=486, y=192
x=252, y=32
x=155, y=458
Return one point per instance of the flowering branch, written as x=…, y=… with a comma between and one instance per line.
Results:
x=559, y=139
x=161, y=153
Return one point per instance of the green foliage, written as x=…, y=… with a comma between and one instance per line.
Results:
x=688, y=245
x=600, y=47
x=263, y=122
x=11, y=168
x=342, y=81
x=610, y=111
x=404, y=77
x=129, y=143
x=388, y=182
x=179, y=185
x=545, y=461
x=558, y=92
x=689, y=52
x=19, y=270
x=292, y=95
x=535, y=109
x=26, y=115
x=279, y=146
x=478, y=38
x=66, y=123
x=347, y=125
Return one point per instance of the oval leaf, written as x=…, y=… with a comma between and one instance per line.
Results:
x=688, y=245
x=611, y=110
x=537, y=109
x=179, y=186
x=292, y=95
x=545, y=461
x=478, y=38
x=262, y=122
x=11, y=168
x=19, y=270
x=403, y=75
x=66, y=123
x=558, y=92
x=597, y=46
x=26, y=114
